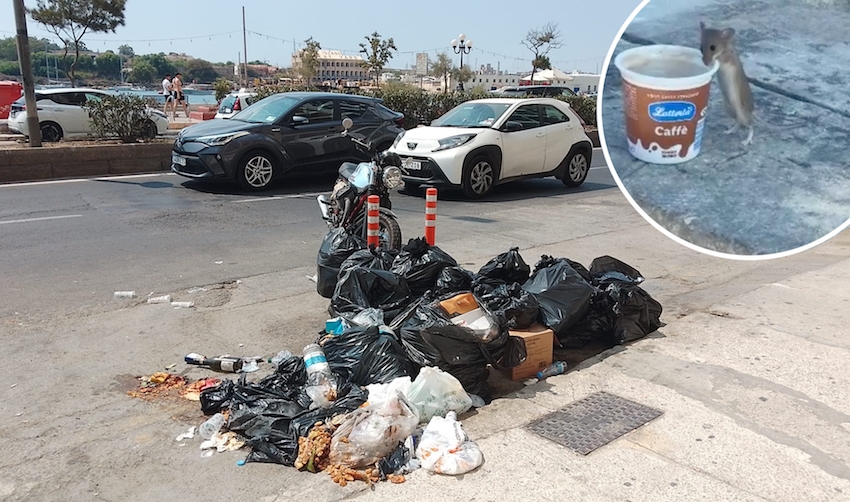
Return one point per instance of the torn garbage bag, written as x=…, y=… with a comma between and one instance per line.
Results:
x=435, y=393
x=337, y=245
x=214, y=399
x=273, y=413
x=420, y=264
x=369, y=434
x=561, y=291
x=367, y=355
x=361, y=288
x=508, y=267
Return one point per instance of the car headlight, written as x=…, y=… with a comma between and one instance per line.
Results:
x=398, y=138
x=454, y=141
x=221, y=139
x=392, y=177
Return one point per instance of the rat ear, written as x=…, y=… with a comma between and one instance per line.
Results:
x=728, y=33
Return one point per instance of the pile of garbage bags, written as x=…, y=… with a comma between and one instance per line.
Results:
x=410, y=345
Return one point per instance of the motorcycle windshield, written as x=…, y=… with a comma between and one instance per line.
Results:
x=361, y=178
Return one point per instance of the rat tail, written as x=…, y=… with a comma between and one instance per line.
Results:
x=771, y=125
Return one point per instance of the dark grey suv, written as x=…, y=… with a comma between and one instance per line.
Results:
x=284, y=133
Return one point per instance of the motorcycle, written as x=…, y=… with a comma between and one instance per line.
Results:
x=347, y=205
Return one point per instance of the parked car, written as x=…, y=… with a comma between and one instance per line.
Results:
x=533, y=90
x=283, y=133
x=485, y=142
x=61, y=114
x=234, y=103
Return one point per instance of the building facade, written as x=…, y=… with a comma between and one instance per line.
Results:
x=334, y=65
x=578, y=82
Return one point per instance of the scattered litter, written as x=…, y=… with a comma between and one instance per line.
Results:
x=240, y=462
x=160, y=299
x=241, y=344
x=238, y=281
x=186, y=435
x=207, y=453
x=182, y=305
x=125, y=294
x=557, y=368
x=211, y=427
x=219, y=262
x=313, y=278
x=158, y=385
x=193, y=391
x=13, y=386
x=196, y=289
x=18, y=414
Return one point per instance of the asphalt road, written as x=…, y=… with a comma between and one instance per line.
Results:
x=71, y=244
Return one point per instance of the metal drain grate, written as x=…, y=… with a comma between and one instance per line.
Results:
x=594, y=421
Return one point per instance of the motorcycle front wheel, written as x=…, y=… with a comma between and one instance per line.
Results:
x=389, y=233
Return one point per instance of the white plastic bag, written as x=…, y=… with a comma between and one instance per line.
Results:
x=446, y=449
x=380, y=393
x=371, y=433
x=435, y=393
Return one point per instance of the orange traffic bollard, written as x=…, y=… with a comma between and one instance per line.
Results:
x=372, y=222
x=431, y=215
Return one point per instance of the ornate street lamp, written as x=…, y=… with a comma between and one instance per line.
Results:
x=461, y=46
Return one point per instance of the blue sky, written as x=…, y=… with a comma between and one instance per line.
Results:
x=212, y=29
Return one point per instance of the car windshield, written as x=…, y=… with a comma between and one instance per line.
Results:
x=227, y=103
x=472, y=115
x=267, y=111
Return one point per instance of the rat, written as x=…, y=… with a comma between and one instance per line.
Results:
x=718, y=45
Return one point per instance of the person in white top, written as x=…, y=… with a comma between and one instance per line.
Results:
x=168, y=92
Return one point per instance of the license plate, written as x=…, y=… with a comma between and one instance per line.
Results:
x=412, y=165
x=178, y=159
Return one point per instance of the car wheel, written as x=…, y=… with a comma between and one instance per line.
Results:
x=577, y=168
x=150, y=130
x=50, y=132
x=479, y=177
x=255, y=171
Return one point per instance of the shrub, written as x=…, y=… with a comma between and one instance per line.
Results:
x=123, y=116
x=222, y=88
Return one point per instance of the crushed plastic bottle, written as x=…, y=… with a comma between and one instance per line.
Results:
x=211, y=427
x=281, y=356
x=556, y=368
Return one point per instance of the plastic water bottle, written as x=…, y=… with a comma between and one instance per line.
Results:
x=281, y=356
x=211, y=427
x=318, y=369
x=556, y=368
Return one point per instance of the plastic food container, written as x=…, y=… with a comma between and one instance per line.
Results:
x=665, y=99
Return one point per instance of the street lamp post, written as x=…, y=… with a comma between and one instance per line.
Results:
x=461, y=46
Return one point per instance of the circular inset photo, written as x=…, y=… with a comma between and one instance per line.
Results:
x=727, y=123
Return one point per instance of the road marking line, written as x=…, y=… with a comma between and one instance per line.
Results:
x=42, y=219
x=78, y=180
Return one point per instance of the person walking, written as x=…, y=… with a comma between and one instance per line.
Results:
x=179, y=97
x=167, y=92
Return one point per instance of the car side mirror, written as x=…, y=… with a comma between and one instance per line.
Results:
x=299, y=120
x=512, y=125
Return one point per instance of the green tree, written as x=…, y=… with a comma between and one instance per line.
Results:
x=310, y=60
x=143, y=72
x=199, y=70
x=126, y=51
x=462, y=74
x=222, y=88
x=108, y=65
x=378, y=52
x=540, y=41
x=442, y=69
x=70, y=20
x=9, y=47
x=10, y=68
x=159, y=62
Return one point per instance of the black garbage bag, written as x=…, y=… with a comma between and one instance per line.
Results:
x=452, y=279
x=420, y=264
x=378, y=258
x=596, y=326
x=393, y=462
x=361, y=288
x=409, y=325
x=515, y=307
x=637, y=313
x=215, y=399
x=562, y=293
x=367, y=355
x=462, y=353
x=607, y=268
x=337, y=245
x=483, y=286
x=508, y=267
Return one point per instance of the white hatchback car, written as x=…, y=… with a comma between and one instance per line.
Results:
x=233, y=103
x=61, y=114
x=482, y=143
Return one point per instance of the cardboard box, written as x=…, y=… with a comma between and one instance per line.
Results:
x=539, y=341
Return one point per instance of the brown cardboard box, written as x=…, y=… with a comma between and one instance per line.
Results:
x=539, y=341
